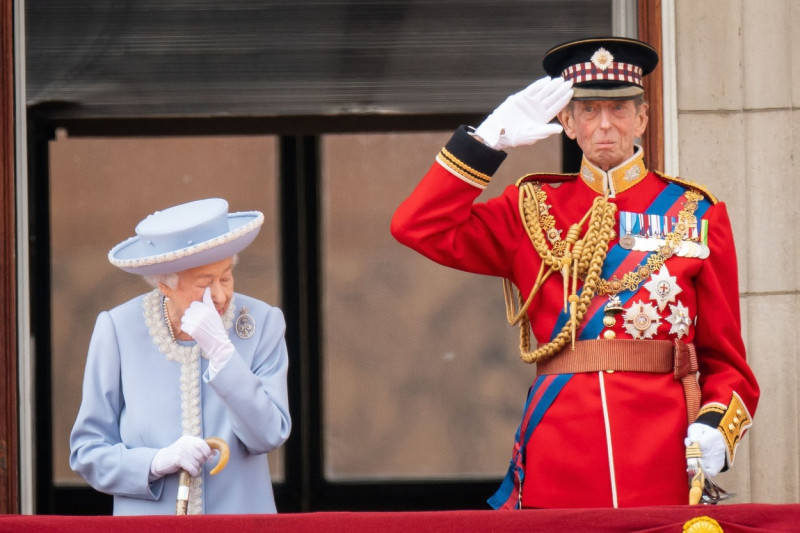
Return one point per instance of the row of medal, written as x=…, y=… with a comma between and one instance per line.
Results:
x=642, y=318
x=646, y=233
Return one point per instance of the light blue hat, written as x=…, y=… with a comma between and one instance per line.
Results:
x=186, y=236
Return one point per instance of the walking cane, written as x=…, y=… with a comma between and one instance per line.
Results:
x=215, y=443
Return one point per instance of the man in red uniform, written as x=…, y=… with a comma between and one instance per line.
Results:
x=627, y=279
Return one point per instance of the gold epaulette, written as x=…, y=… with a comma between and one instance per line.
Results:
x=691, y=185
x=546, y=178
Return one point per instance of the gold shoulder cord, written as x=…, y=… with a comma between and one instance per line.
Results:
x=573, y=257
x=578, y=258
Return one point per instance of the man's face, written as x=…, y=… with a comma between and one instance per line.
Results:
x=605, y=129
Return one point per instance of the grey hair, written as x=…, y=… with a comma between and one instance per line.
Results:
x=638, y=101
x=171, y=279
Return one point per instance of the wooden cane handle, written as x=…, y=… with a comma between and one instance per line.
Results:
x=216, y=443
x=184, y=479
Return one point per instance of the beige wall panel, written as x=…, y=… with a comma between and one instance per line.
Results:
x=794, y=14
x=737, y=479
x=772, y=335
x=712, y=154
x=790, y=177
x=772, y=202
x=708, y=41
x=738, y=56
x=767, y=59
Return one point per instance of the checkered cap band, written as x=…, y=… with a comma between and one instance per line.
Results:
x=588, y=72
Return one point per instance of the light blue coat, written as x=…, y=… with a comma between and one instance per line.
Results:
x=131, y=408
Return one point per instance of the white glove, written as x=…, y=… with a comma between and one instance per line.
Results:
x=524, y=117
x=189, y=453
x=712, y=446
x=202, y=321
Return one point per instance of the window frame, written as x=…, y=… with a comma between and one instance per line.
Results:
x=305, y=487
x=307, y=490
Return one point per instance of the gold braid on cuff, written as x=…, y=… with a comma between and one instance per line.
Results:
x=734, y=423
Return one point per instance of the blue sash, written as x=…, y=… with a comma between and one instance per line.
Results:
x=545, y=389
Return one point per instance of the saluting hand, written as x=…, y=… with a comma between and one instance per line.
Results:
x=524, y=117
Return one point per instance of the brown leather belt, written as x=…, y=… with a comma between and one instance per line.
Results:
x=631, y=355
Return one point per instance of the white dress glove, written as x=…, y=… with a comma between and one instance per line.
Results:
x=712, y=446
x=524, y=117
x=189, y=453
x=202, y=321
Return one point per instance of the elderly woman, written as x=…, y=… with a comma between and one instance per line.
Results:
x=187, y=361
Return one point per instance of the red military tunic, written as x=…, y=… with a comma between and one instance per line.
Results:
x=610, y=439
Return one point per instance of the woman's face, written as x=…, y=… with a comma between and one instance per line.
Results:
x=193, y=282
x=606, y=130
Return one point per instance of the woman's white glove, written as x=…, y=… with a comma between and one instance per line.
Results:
x=712, y=446
x=189, y=453
x=202, y=321
x=524, y=117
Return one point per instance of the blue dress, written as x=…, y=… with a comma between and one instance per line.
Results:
x=142, y=391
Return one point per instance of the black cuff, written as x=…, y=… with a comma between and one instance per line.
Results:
x=710, y=418
x=469, y=158
x=474, y=153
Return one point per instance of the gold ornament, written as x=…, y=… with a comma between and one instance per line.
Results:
x=702, y=524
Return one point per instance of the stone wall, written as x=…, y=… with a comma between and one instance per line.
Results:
x=737, y=96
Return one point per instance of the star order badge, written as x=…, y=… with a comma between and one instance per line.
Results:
x=679, y=318
x=641, y=320
x=663, y=287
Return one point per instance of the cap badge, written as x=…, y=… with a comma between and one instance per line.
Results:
x=602, y=58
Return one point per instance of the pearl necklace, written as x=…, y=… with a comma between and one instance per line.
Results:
x=166, y=318
x=160, y=329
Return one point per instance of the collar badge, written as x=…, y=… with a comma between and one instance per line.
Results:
x=633, y=173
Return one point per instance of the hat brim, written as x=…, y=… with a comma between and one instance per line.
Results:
x=132, y=256
x=627, y=50
x=625, y=92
